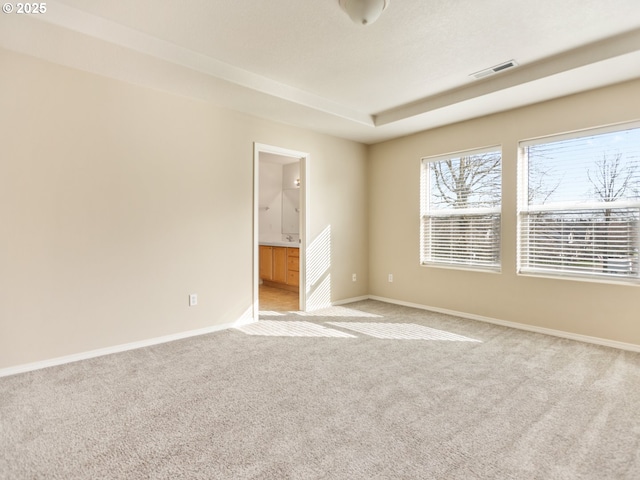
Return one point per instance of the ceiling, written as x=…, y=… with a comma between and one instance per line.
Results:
x=305, y=63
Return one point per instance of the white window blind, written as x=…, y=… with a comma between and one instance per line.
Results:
x=579, y=204
x=460, y=209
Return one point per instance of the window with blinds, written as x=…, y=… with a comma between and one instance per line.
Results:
x=579, y=204
x=460, y=209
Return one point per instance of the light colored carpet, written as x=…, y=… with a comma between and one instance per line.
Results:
x=370, y=390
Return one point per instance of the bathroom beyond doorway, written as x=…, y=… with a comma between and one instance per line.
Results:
x=280, y=225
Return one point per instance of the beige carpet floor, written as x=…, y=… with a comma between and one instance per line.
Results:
x=365, y=391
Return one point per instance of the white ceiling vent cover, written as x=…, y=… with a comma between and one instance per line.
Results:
x=494, y=70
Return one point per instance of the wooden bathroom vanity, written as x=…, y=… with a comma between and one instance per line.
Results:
x=280, y=266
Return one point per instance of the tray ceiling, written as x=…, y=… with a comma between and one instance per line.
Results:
x=307, y=64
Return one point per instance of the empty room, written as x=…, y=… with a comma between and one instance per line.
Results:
x=341, y=239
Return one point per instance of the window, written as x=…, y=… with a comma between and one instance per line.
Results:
x=460, y=209
x=579, y=204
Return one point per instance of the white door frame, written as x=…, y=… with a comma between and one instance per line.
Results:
x=304, y=158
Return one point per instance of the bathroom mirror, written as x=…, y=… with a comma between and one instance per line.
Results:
x=291, y=211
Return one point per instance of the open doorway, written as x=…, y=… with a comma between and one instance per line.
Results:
x=280, y=229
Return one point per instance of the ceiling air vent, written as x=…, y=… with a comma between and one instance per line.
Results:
x=494, y=70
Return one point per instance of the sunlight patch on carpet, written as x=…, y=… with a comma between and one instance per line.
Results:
x=271, y=313
x=402, y=331
x=337, y=311
x=274, y=328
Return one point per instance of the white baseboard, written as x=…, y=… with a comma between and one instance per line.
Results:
x=520, y=326
x=28, y=367
x=350, y=300
x=4, y=372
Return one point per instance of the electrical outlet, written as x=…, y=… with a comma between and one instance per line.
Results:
x=193, y=299
x=353, y=277
x=390, y=277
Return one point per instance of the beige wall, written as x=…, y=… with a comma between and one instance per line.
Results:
x=596, y=309
x=118, y=201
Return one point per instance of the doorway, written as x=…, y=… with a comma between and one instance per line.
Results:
x=280, y=229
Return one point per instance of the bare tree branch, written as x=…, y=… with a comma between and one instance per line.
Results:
x=611, y=180
x=468, y=179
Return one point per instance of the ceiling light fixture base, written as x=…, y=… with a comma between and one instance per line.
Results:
x=364, y=12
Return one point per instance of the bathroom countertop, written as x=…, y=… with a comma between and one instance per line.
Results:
x=280, y=244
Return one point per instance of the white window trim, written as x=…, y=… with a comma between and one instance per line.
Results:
x=586, y=132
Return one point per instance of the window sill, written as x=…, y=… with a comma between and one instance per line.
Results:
x=465, y=268
x=579, y=278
